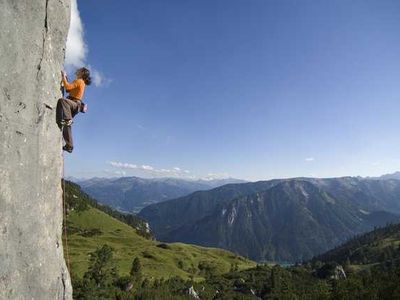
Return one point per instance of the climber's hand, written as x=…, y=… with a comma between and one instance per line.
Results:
x=63, y=74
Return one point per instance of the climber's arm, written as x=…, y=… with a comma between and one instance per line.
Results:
x=68, y=86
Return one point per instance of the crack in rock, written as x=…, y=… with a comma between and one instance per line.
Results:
x=7, y=94
x=63, y=283
x=46, y=29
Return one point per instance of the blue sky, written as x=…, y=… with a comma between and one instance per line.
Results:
x=252, y=89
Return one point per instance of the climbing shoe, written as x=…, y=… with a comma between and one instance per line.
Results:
x=65, y=123
x=68, y=148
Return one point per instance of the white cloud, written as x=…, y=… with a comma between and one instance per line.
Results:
x=148, y=168
x=122, y=165
x=173, y=172
x=99, y=79
x=77, y=49
x=212, y=176
x=309, y=159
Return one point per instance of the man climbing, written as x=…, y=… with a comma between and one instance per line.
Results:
x=69, y=107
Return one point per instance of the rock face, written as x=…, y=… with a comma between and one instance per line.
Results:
x=32, y=45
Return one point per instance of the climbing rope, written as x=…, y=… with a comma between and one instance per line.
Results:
x=65, y=217
x=64, y=202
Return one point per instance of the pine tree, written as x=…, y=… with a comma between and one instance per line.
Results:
x=99, y=281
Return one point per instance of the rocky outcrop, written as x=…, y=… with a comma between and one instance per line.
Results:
x=339, y=273
x=32, y=45
x=192, y=293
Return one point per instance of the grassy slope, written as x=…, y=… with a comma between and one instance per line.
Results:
x=127, y=244
x=367, y=250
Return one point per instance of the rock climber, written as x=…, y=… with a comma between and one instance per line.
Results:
x=68, y=107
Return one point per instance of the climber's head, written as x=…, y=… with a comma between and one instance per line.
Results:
x=84, y=74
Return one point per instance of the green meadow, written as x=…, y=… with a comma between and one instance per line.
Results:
x=159, y=260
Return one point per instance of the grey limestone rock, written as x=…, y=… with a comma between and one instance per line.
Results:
x=32, y=46
x=192, y=293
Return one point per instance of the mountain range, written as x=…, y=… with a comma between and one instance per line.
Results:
x=130, y=194
x=113, y=257
x=395, y=175
x=279, y=220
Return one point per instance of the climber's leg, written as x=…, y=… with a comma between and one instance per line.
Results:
x=59, y=113
x=67, y=134
x=66, y=110
x=68, y=106
x=75, y=109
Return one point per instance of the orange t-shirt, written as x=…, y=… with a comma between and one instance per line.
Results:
x=76, y=88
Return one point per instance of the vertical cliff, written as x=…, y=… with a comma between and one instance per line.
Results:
x=32, y=45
